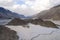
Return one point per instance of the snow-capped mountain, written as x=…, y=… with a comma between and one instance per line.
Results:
x=5, y=13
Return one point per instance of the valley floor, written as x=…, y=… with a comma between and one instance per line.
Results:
x=36, y=32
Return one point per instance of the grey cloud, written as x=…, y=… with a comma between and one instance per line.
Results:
x=29, y=10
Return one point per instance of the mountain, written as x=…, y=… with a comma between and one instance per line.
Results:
x=53, y=13
x=5, y=13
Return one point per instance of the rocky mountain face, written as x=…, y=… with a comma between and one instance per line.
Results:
x=7, y=34
x=53, y=13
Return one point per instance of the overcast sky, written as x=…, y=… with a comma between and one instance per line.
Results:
x=28, y=7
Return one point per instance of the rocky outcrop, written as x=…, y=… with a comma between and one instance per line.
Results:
x=49, y=24
x=7, y=34
x=43, y=23
x=17, y=21
x=36, y=21
x=33, y=21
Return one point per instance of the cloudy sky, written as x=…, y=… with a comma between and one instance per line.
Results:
x=28, y=7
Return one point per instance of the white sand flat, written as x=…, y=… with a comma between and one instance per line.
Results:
x=36, y=32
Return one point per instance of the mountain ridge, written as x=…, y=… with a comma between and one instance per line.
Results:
x=5, y=13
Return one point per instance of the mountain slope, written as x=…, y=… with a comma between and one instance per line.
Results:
x=53, y=13
x=5, y=13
